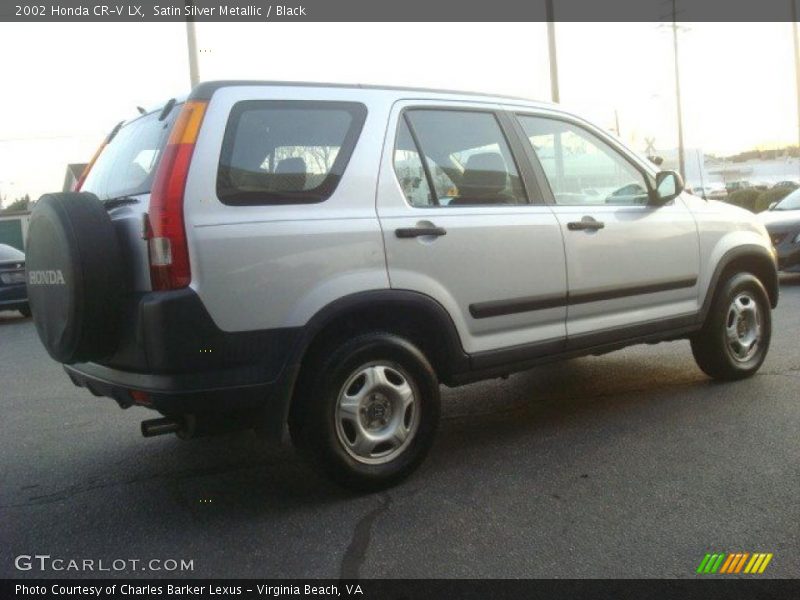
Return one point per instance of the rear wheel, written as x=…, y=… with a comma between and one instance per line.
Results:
x=735, y=337
x=366, y=414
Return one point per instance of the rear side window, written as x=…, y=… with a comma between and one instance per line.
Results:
x=286, y=152
x=126, y=167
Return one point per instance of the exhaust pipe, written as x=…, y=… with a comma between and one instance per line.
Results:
x=154, y=427
x=192, y=426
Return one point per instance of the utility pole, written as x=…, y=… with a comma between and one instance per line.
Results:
x=551, y=42
x=191, y=44
x=796, y=69
x=681, y=160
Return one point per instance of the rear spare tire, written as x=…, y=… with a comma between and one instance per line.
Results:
x=74, y=272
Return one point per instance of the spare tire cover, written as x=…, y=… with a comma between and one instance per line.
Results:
x=75, y=279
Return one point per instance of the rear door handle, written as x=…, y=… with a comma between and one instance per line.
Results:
x=412, y=232
x=585, y=224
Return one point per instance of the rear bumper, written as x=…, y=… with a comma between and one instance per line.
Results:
x=192, y=394
x=172, y=357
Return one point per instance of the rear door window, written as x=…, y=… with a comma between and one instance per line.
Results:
x=286, y=152
x=462, y=155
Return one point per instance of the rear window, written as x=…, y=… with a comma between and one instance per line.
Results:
x=286, y=152
x=127, y=166
x=10, y=253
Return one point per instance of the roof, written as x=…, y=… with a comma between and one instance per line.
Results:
x=206, y=89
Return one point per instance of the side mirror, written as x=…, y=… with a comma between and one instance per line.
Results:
x=669, y=185
x=772, y=205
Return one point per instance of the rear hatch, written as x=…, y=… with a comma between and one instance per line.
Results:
x=122, y=177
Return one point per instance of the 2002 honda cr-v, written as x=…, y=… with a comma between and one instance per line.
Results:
x=323, y=257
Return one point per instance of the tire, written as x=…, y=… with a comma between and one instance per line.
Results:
x=74, y=270
x=26, y=311
x=374, y=387
x=734, y=340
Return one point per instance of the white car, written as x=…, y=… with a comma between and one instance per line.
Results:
x=321, y=258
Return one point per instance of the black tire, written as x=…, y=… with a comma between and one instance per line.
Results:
x=74, y=270
x=26, y=311
x=313, y=419
x=712, y=351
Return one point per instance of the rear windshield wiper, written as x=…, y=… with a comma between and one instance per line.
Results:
x=110, y=203
x=167, y=109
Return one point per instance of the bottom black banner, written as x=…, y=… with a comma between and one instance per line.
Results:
x=402, y=589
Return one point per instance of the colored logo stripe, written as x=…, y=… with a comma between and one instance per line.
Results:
x=710, y=563
x=758, y=563
x=734, y=562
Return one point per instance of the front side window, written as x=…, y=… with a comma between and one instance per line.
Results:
x=455, y=158
x=286, y=152
x=581, y=168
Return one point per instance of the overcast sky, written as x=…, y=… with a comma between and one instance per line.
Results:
x=65, y=86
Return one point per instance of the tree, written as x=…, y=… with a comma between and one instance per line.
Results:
x=19, y=204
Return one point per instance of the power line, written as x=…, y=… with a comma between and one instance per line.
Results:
x=191, y=47
x=673, y=17
x=796, y=63
x=681, y=159
x=551, y=44
x=45, y=138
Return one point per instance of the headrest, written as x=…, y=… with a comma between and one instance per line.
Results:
x=290, y=175
x=294, y=164
x=484, y=175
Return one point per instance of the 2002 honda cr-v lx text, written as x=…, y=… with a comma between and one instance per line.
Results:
x=320, y=258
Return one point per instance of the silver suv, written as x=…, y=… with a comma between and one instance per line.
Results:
x=323, y=257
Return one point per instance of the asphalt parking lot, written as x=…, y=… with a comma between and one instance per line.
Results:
x=632, y=464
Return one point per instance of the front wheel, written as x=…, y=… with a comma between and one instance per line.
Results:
x=367, y=413
x=734, y=340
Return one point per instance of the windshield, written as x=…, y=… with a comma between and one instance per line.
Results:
x=791, y=202
x=126, y=166
x=10, y=253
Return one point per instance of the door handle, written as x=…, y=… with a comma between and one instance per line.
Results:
x=412, y=232
x=585, y=224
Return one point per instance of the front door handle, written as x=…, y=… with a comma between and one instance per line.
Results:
x=412, y=232
x=585, y=224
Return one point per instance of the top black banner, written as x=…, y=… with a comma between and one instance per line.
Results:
x=399, y=10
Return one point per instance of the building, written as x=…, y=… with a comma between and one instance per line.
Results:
x=14, y=228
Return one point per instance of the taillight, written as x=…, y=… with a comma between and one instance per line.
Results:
x=169, y=252
x=141, y=398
